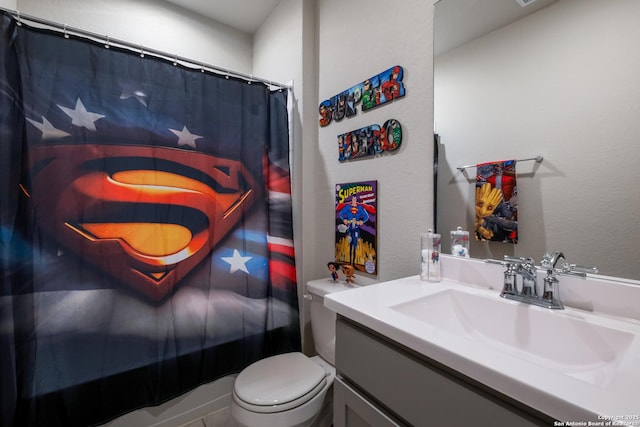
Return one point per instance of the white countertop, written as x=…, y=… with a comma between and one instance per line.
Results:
x=564, y=397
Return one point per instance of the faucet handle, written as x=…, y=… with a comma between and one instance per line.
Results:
x=576, y=270
x=518, y=260
x=495, y=261
x=510, y=261
x=573, y=268
x=550, y=260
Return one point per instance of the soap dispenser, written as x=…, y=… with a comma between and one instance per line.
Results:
x=460, y=242
x=430, y=256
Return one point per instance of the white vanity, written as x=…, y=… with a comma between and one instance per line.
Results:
x=455, y=353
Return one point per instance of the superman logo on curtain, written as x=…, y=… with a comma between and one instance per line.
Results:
x=146, y=228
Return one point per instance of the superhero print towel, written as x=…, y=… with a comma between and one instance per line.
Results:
x=496, y=202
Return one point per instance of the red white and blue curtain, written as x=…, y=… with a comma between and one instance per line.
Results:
x=146, y=240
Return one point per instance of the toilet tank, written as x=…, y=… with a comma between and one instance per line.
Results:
x=323, y=320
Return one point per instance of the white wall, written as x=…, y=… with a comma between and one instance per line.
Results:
x=562, y=83
x=9, y=4
x=311, y=43
x=317, y=43
x=152, y=24
x=358, y=39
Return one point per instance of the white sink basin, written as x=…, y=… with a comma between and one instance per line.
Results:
x=556, y=340
x=573, y=364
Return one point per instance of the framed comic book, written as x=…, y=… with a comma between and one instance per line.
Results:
x=355, y=225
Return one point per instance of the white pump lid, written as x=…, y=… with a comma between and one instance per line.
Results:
x=279, y=382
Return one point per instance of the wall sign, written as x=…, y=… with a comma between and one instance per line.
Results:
x=370, y=140
x=374, y=91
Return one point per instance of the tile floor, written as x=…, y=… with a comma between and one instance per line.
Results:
x=221, y=418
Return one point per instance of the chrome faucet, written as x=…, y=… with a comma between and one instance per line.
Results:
x=527, y=292
x=549, y=261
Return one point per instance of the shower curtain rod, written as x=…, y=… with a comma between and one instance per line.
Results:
x=108, y=41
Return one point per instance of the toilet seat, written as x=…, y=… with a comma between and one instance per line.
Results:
x=279, y=383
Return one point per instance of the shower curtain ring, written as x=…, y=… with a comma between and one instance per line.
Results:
x=175, y=59
x=18, y=21
x=227, y=75
x=141, y=51
x=66, y=35
x=106, y=42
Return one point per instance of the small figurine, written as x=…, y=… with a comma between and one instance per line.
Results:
x=348, y=271
x=333, y=267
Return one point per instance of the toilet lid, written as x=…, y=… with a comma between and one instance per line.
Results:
x=288, y=380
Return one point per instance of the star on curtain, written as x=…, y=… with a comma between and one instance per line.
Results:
x=185, y=137
x=48, y=130
x=81, y=117
x=138, y=95
x=237, y=262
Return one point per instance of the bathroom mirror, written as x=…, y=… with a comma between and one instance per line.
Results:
x=557, y=79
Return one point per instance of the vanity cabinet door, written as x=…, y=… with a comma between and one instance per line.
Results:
x=352, y=410
x=417, y=390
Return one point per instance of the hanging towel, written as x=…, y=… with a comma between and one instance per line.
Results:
x=496, y=202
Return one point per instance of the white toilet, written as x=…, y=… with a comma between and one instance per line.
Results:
x=292, y=389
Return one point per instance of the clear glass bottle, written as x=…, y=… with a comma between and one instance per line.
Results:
x=460, y=242
x=430, y=256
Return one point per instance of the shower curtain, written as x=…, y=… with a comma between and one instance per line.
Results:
x=146, y=240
